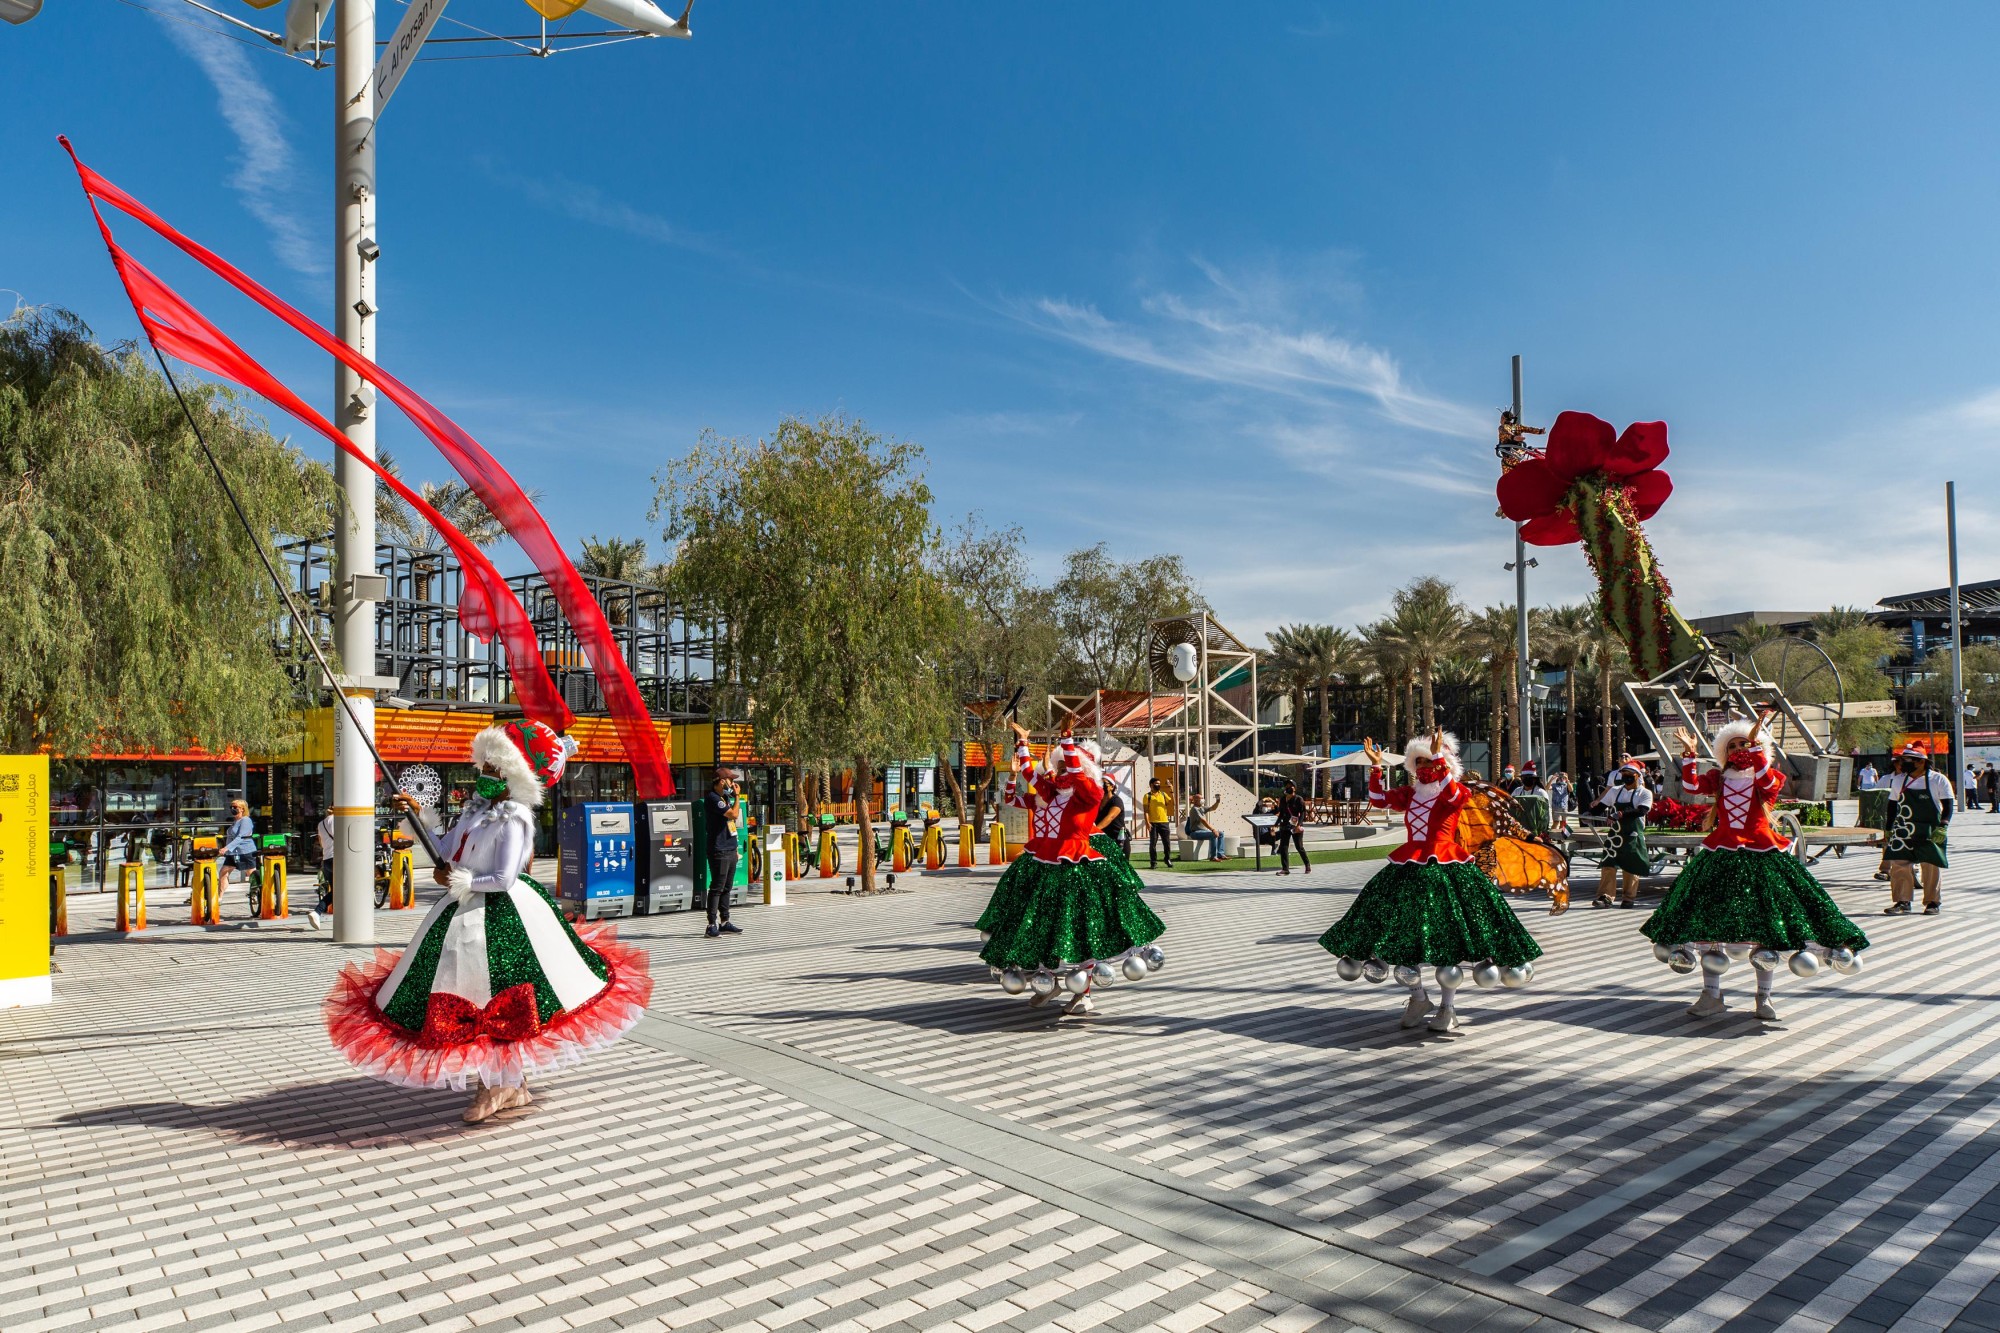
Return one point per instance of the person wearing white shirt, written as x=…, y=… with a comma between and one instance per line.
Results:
x=1920, y=809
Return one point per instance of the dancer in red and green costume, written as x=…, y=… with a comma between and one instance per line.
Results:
x=1431, y=906
x=1744, y=896
x=496, y=985
x=1064, y=917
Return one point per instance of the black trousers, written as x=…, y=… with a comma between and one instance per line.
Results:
x=1287, y=839
x=721, y=883
x=1159, y=842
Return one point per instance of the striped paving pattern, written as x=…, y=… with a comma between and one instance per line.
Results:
x=1581, y=1138
x=195, y=1154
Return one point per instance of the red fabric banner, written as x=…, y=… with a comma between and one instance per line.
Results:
x=491, y=482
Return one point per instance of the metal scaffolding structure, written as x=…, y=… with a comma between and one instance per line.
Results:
x=436, y=663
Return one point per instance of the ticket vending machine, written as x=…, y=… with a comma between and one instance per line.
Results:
x=740, y=887
x=667, y=856
x=595, y=860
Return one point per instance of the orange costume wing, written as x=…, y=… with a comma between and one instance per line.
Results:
x=1515, y=859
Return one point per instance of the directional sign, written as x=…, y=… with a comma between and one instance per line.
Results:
x=418, y=20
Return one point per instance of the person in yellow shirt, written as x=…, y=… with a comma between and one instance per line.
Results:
x=1159, y=806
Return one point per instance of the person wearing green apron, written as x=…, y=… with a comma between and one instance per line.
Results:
x=1628, y=802
x=1920, y=808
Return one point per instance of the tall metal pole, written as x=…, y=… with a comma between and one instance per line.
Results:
x=353, y=412
x=1523, y=668
x=1957, y=642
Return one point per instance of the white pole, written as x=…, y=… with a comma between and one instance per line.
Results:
x=1957, y=645
x=353, y=412
x=1523, y=668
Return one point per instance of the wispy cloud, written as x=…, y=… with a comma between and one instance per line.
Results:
x=265, y=179
x=1241, y=335
x=587, y=203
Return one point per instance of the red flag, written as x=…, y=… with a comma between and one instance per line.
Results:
x=491, y=482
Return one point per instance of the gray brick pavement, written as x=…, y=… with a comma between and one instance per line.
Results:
x=836, y=1121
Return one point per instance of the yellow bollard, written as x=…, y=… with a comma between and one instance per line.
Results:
x=791, y=852
x=996, y=839
x=933, y=847
x=829, y=855
x=272, y=901
x=402, y=878
x=205, y=882
x=58, y=904
x=899, y=848
x=131, y=896
x=964, y=842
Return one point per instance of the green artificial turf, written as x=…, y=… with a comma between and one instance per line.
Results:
x=1320, y=856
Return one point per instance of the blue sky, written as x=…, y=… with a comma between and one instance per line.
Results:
x=1238, y=282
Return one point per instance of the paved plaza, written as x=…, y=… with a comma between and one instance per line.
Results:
x=837, y=1120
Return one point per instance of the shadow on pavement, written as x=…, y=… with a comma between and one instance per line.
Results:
x=353, y=1114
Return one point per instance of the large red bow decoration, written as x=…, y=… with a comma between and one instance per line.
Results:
x=453, y=1020
x=1536, y=492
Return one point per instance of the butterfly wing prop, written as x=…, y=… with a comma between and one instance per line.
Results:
x=1517, y=860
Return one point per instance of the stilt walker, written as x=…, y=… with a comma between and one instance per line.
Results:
x=1920, y=810
x=1744, y=896
x=1431, y=906
x=1628, y=802
x=1066, y=916
x=496, y=985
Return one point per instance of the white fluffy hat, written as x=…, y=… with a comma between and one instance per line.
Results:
x=1419, y=750
x=1740, y=729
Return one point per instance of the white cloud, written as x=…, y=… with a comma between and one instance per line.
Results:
x=587, y=203
x=265, y=179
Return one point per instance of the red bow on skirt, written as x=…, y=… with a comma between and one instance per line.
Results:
x=453, y=1020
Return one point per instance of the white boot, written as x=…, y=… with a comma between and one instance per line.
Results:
x=1419, y=1007
x=1079, y=1006
x=1765, y=1012
x=1446, y=1017
x=1710, y=1003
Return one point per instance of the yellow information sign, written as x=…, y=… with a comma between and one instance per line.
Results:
x=24, y=880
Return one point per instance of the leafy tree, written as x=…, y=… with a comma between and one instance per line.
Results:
x=816, y=548
x=1390, y=661
x=1005, y=640
x=1291, y=670
x=138, y=615
x=1492, y=635
x=1102, y=608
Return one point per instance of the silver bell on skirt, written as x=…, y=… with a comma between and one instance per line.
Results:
x=1134, y=968
x=1407, y=976
x=1766, y=960
x=1102, y=973
x=1043, y=983
x=1348, y=969
x=1450, y=975
x=1845, y=961
x=1714, y=964
x=1513, y=978
x=1805, y=963
x=1683, y=959
x=1375, y=970
x=1012, y=981
x=1077, y=982
x=1486, y=976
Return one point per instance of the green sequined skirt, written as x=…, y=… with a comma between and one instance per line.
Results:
x=1730, y=896
x=1410, y=915
x=1045, y=915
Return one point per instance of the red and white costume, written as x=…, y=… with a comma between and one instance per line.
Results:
x=1430, y=817
x=1743, y=799
x=1061, y=802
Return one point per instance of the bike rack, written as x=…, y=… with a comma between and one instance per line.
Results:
x=204, y=883
x=402, y=873
x=58, y=891
x=131, y=897
x=273, y=899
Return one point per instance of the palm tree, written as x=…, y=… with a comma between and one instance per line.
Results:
x=1384, y=652
x=455, y=501
x=1569, y=640
x=1292, y=670
x=1322, y=652
x=1427, y=618
x=1837, y=618
x=1491, y=634
x=621, y=559
x=1612, y=661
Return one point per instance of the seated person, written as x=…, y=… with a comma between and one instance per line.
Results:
x=1197, y=829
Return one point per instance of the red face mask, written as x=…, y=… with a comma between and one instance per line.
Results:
x=1432, y=770
x=1744, y=757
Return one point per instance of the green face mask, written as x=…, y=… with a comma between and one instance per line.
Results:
x=490, y=788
